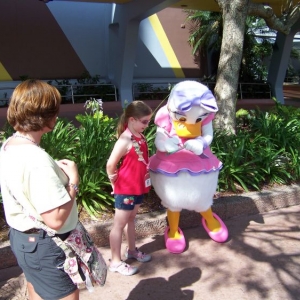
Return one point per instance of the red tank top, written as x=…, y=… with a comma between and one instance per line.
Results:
x=132, y=171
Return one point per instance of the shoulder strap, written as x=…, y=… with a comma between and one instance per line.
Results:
x=37, y=222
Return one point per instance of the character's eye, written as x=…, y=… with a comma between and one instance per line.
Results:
x=179, y=117
x=199, y=119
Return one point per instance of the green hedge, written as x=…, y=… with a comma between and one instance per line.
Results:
x=264, y=151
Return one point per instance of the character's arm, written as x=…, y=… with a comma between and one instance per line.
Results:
x=165, y=143
x=207, y=134
x=200, y=143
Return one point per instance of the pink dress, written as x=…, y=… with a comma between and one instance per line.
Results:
x=182, y=160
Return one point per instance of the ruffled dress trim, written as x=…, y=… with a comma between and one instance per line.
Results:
x=184, y=161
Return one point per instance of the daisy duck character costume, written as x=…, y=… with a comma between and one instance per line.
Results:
x=184, y=172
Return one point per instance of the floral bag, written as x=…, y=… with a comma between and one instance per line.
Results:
x=84, y=263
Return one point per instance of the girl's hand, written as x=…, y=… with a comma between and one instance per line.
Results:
x=113, y=188
x=112, y=178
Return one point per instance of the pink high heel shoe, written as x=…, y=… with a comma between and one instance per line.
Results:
x=220, y=236
x=175, y=245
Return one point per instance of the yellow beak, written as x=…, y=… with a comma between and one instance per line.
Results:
x=184, y=130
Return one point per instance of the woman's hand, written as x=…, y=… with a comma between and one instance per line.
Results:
x=70, y=169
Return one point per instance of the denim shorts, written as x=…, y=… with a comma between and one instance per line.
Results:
x=127, y=202
x=41, y=261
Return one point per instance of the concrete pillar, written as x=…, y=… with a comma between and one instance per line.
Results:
x=123, y=37
x=280, y=60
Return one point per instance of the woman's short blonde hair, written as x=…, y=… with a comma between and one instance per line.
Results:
x=33, y=105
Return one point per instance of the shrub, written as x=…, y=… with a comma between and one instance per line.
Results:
x=96, y=137
x=62, y=141
x=264, y=150
x=238, y=155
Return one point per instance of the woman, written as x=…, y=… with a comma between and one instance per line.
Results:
x=33, y=183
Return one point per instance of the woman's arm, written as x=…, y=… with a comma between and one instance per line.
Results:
x=56, y=217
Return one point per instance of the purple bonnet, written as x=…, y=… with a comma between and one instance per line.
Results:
x=187, y=94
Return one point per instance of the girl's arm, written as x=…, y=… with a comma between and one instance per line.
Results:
x=121, y=147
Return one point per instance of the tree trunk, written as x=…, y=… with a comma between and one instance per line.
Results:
x=234, y=17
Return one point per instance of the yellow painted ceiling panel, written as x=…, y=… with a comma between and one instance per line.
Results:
x=4, y=76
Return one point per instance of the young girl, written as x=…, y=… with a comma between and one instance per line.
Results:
x=130, y=181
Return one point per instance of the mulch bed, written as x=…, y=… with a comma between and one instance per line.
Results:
x=150, y=204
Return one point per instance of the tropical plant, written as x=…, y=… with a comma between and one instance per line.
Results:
x=234, y=14
x=7, y=131
x=94, y=105
x=255, y=50
x=206, y=30
x=264, y=150
x=205, y=36
x=96, y=137
x=239, y=157
x=62, y=141
x=149, y=134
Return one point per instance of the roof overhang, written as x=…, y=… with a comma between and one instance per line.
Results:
x=205, y=5
x=211, y=5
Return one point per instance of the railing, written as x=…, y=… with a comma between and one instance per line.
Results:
x=71, y=91
x=293, y=79
x=160, y=90
x=249, y=90
x=255, y=91
x=5, y=93
x=151, y=90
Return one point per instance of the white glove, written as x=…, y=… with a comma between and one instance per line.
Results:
x=195, y=146
x=172, y=144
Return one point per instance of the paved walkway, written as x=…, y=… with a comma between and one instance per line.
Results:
x=261, y=260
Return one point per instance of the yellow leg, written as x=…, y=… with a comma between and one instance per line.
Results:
x=173, y=219
x=211, y=222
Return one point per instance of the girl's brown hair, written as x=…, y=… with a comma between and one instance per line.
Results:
x=33, y=105
x=136, y=109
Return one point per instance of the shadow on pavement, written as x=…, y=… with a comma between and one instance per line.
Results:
x=261, y=259
x=173, y=288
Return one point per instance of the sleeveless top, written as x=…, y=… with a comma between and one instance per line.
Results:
x=132, y=171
